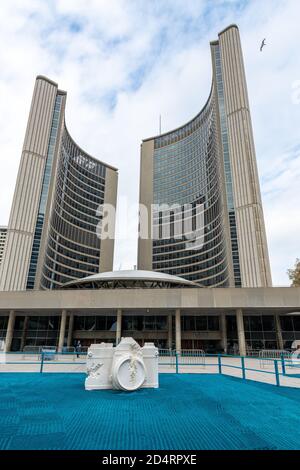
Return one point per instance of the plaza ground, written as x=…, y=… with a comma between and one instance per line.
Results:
x=188, y=411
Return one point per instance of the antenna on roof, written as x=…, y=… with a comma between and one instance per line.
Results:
x=160, y=124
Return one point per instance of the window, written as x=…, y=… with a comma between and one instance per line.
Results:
x=213, y=323
x=201, y=323
x=260, y=332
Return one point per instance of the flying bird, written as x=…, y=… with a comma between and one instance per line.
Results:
x=262, y=44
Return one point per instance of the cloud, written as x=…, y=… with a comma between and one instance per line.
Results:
x=125, y=62
x=281, y=207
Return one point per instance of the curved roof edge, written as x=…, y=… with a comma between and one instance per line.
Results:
x=46, y=79
x=87, y=154
x=51, y=82
x=233, y=25
x=62, y=92
x=183, y=125
x=131, y=276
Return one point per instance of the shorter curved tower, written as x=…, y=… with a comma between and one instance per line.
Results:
x=201, y=210
x=54, y=232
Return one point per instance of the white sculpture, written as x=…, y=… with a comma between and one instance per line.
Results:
x=125, y=367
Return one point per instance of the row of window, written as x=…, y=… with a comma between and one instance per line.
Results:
x=71, y=255
x=73, y=263
x=200, y=323
x=74, y=247
x=207, y=275
x=254, y=324
x=184, y=187
x=65, y=229
x=91, y=323
x=84, y=164
x=260, y=330
x=75, y=174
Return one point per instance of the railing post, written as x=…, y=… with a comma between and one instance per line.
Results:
x=42, y=362
x=243, y=367
x=282, y=363
x=277, y=373
x=220, y=363
x=176, y=359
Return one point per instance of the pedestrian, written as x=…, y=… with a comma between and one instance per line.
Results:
x=78, y=348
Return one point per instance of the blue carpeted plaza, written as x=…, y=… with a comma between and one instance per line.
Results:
x=188, y=411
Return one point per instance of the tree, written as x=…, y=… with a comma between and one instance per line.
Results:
x=294, y=274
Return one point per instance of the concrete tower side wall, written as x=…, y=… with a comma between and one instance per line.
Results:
x=108, y=244
x=21, y=227
x=253, y=250
x=146, y=201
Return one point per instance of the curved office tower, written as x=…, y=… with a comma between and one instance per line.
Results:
x=200, y=186
x=53, y=232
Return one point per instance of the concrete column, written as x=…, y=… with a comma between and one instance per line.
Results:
x=223, y=332
x=24, y=333
x=241, y=332
x=70, y=330
x=170, y=333
x=279, y=332
x=62, y=330
x=10, y=330
x=119, y=326
x=178, y=329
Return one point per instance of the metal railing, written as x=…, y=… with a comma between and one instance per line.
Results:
x=253, y=352
x=266, y=354
x=167, y=357
x=68, y=349
x=29, y=351
x=221, y=362
x=245, y=367
x=57, y=360
x=191, y=356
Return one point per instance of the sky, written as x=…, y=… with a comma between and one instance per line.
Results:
x=125, y=62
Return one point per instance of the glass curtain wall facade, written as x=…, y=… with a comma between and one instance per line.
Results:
x=290, y=326
x=197, y=331
x=202, y=177
x=186, y=172
x=35, y=331
x=3, y=327
x=55, y=227
x=216, y=55
x=260, y=331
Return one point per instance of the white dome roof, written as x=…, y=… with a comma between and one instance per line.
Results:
x=129, y=278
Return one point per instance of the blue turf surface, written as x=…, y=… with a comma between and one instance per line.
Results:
x=188, y=411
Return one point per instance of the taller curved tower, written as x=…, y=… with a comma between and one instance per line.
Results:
x=53, y=233
x=202, y=178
